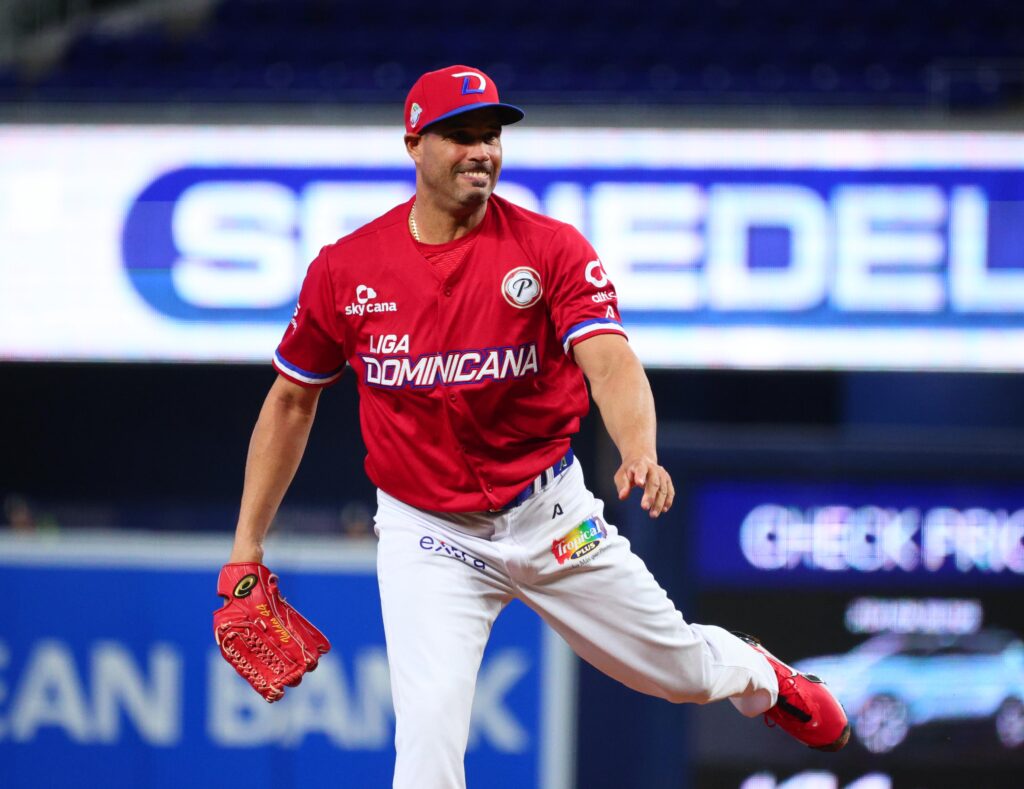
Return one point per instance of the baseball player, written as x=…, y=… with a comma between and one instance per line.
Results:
x=470, y=324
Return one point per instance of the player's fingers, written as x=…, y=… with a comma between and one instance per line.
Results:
x=622, y=483
x=655, y=486
x=659, y=500
x=671, y=497
x=666, y=493
x=651, y=488
x=630, y=476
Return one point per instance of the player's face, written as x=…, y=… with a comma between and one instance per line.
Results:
x=460, y=158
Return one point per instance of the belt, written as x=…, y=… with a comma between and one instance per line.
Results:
x=545, y=478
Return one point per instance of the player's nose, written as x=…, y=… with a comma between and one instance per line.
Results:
x=479, y=151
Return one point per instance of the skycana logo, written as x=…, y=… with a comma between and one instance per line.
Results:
x=365, y=303
x=581, y=541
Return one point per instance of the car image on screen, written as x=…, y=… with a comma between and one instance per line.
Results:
x=893, y=682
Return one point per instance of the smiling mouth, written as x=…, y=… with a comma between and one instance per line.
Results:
x=476, y=174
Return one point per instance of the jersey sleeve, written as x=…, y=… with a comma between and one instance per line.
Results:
x=312, y=352
x=581, y=298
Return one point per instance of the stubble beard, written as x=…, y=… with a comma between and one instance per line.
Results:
x=458, y=197
x=474, y=196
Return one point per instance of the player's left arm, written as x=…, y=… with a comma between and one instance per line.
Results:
x=623, y=394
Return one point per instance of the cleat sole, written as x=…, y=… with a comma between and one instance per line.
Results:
x=839, y=744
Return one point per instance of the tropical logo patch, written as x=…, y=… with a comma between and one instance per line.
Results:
x=581, y=541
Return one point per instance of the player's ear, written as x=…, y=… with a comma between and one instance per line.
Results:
x=413, y=146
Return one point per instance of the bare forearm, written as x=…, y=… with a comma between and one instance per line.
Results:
x=275, y=450
x=623, y=393
x=627, y=408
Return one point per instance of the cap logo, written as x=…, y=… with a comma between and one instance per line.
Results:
x=414, y=114
x=466, y=82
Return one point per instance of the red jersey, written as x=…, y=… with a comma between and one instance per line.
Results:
x=467, y=384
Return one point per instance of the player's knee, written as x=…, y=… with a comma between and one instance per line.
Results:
x=687, y=694
x=691, y=695
x=422, y=733
x=688, y=685
x=418, y=722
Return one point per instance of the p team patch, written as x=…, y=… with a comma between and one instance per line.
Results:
x=580, y=542
x=521, y=287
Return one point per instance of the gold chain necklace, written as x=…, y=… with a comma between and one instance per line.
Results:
x=412, y=223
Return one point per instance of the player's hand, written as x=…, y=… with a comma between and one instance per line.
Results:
x=269, y=643
x=645, y=473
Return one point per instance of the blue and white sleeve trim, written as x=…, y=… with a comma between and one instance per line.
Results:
x=305, y=376
x=589, y=327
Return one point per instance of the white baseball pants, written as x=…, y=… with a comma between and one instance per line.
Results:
x=444, y=578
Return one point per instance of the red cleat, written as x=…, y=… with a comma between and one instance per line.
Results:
x=806, y=709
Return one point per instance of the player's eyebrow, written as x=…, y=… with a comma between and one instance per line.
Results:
x=471, y=131
x=464, y=126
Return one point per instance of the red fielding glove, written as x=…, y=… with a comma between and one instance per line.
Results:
x=267, y=641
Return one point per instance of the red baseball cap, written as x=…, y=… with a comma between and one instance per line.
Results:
x=450, y=91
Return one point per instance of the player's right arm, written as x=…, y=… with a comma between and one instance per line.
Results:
x=277, y=444
x=311, y=356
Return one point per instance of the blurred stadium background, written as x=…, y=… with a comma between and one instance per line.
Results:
x=814, y=216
